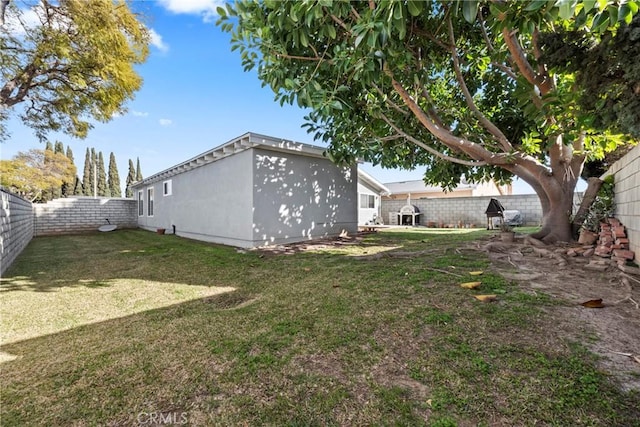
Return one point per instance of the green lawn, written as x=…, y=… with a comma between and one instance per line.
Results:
x=131, y=327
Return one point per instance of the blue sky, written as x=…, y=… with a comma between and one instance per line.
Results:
x=195, y=96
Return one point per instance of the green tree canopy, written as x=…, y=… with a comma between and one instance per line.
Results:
x=459, y=88
x=35, y=172
x=75, y=65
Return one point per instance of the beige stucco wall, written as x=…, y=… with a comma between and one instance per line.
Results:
x=627, y=190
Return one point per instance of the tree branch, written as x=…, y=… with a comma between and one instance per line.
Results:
x=389, y=101
x=543, y=83
x=486, y=123
x=430, y=149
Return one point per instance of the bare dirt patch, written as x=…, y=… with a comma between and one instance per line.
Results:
x=612, y=332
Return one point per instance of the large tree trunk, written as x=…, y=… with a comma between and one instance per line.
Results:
x=593, y=187
x=556, y=199
x=556, y=220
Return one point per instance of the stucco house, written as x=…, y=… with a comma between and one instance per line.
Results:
x=370, y=193
x=254, y=190
x=418, y=190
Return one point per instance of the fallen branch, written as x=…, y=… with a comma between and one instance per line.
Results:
x=443, y=271
x=403, y=254
x=627, y=284
x=630, y=355
x=621, y=354
x=629, y=277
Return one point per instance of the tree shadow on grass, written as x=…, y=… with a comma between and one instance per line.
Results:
x=95, y=260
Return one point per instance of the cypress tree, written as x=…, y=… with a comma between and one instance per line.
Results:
x=114, y=178
x=77, y=187
x=103, y=190
x=131, y=177
x=87, y=175
x=138, y=171
x=51, y=193
x=68, y=187
x=59, y=147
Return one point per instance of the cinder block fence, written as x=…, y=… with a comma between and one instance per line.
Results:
x=20, y=220
x=466, y=211
x=16, y=227
x=81, y=214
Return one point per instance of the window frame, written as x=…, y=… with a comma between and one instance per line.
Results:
x=140, y=202
x=150, y=194
x=370, y=201
x=167, y=188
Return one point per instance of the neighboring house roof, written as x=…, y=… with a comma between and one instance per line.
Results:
x=373, y=183
x=418, y=186
x=236, y=145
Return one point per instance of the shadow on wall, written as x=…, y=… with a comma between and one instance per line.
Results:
x=301, y=198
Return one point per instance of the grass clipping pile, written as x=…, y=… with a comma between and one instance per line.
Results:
x=603, y=300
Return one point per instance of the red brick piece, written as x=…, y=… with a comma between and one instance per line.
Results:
x=619, y=232
x=622, y=253
x=622, y=241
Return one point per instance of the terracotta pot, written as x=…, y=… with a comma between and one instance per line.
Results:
x=160, y=230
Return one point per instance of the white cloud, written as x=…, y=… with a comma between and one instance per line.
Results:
x=165, y=122
x=205, y=8
x=156, y=40
x=139, y=113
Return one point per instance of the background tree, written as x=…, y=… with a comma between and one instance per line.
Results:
x=457, y=87
x=47, y=194
x=138, y=170
x=114, y=178
x=131, y=177
x=69, y=186
x=77, y=187
x=34, y=172
x=87, y=174
x=56, y=192
x=75, y=65
x=103, y=189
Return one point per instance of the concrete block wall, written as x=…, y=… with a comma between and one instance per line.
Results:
x=468, y=210
x=16, y=227
x=73, y=215
x=626, y=173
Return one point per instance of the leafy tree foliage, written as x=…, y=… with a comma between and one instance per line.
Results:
x=35, y=172
x=75, y=64
x=114, y=178
x=459, y=88
x=131, y=178
x=608, y=73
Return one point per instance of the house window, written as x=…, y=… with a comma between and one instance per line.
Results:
x=140, y=203
x=150, y=201
x=367, y=201
x=166, y=188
